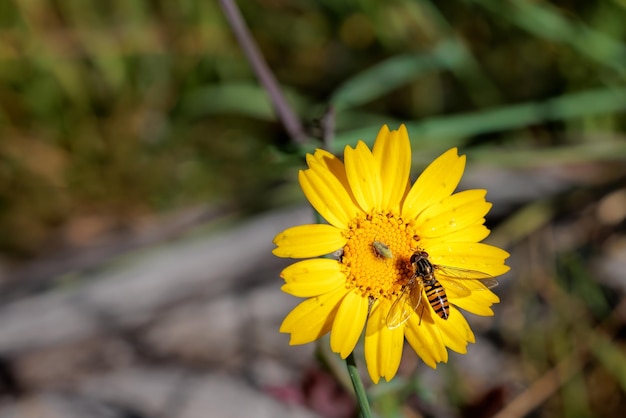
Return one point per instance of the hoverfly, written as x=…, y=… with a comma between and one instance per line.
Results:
x=424, y=278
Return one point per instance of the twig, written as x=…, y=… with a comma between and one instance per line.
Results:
x=543, y=388
x=290, y=120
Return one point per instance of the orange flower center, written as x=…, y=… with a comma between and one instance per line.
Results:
x=377, y=254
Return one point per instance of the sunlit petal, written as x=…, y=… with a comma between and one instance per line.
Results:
x=437, y=182
x=471, y=256
x=364, y=176
x=312, y=318
x=313, y=277
x=383, y=346
x=452, y=214
x=473, y=233
x=328, y=196
x=392, y=150
x=348, y=324
x=425, y=338
x=308, y=241
x=456, y=332
x=478, y=303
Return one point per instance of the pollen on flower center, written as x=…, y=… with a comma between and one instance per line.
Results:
x=375, y=274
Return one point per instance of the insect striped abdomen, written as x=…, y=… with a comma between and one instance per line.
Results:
x=437, y=298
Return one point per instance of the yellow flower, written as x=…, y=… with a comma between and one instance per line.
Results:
x=379, y=221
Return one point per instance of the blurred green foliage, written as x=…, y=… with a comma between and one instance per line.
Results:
x=126, y=108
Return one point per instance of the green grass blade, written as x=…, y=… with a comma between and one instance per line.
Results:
x=564, y=107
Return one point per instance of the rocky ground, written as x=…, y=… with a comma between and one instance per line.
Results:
x=188, y=328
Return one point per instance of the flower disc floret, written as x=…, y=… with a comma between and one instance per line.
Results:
x=369, y=271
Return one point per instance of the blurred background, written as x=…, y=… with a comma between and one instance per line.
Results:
x=144, y=173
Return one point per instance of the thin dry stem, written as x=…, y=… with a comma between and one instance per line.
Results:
x=290, y=120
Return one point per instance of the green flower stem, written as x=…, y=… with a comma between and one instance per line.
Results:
x=359, y=389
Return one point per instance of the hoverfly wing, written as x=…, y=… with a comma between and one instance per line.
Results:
x=459, y=288
x=460, y=273
x=415, y=297
x=489, y=283
x=469, y=277
x=400, y=311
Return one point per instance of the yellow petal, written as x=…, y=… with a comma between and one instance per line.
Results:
x=363, y=174
x=324, y=160
x=327, y=161
x=437, y=181
x=328, y=196
x=349, y=323
x=478, y=303
x=313, y=277
x=452, y=214
x=383, y=346
x=470, y=256
x=461, y=287
x=392, y=150
x=426, y=340
x=473, y=233
x=312, y=318
x=306, y=241
x=455, y=331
